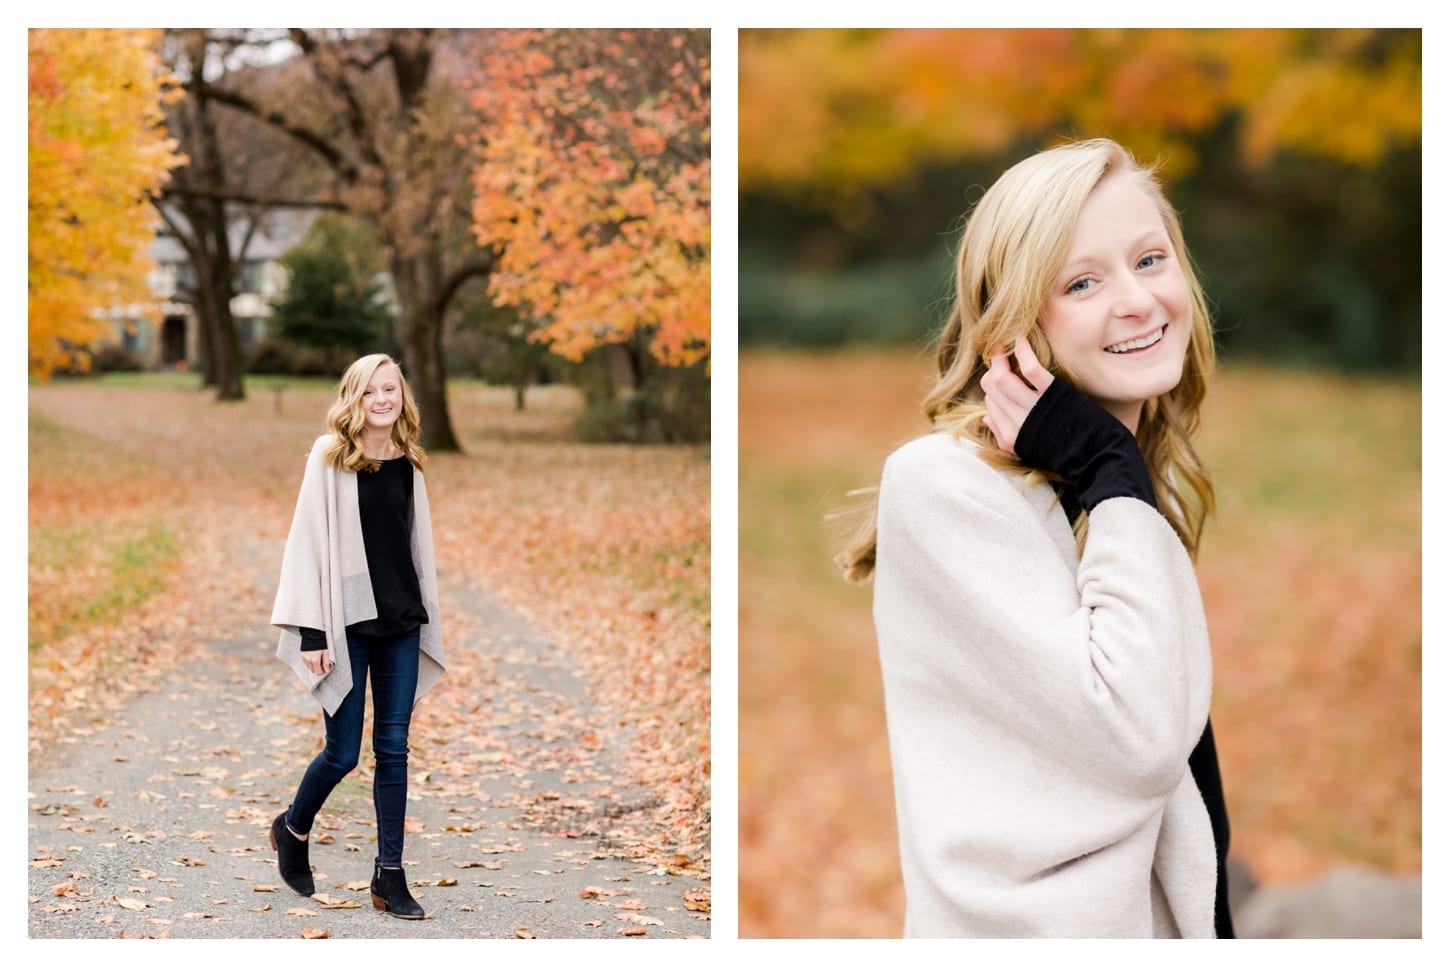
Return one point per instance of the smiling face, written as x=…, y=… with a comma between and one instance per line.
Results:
x=1119, y=312
x=382, y=400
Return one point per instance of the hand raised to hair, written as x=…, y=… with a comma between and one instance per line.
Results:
x=1049, y=425
x=1011, y=397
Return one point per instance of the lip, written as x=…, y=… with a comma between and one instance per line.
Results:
x=1162, y=332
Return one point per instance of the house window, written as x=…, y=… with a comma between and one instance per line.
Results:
x=249, y=330
x=185, y=278
x=251, y=277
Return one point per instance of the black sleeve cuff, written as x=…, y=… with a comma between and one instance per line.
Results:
x=1068, y=434
x=313, y=640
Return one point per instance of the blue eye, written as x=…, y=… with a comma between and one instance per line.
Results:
x=1148, y=261
x=1079, y=285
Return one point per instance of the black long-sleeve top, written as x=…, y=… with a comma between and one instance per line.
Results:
x=385, y=506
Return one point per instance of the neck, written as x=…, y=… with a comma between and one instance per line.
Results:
x=376, y=441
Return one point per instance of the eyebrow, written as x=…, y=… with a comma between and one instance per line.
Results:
x=1137, y=242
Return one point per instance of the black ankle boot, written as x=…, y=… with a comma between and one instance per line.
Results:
x=390, y=893
x=292, y=857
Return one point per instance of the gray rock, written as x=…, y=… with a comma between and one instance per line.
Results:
x=1346, y=902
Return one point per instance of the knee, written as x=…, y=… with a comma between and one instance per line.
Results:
x=390, y=746
x=339, y=760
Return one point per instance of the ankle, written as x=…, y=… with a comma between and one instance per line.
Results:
x=301, y=836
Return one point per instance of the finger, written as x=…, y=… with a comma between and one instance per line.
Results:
x=1003, y=443
x=1010, y=398
x=1010, y=387
x=1032, y=369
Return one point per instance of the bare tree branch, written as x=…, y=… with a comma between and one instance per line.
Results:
x=242, y=198
x=329, y=153
x=473, y=268
x=357, y=120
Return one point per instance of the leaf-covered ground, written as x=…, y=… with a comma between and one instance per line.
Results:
x=576, y=603
x=1311, y=579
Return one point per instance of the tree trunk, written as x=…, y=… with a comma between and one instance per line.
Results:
x=211, y=252
x=204, y=333
x=419, y=331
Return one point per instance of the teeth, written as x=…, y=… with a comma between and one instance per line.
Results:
x=1130, y=344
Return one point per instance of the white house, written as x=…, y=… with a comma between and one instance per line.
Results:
x=261, y=279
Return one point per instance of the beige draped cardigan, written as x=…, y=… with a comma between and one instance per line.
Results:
x=325, y=583
x=1040, y=707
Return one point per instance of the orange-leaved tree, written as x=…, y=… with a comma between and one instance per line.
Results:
x=98, y=153
x=593, y=185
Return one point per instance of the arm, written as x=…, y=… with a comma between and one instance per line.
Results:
x=1132, y=614
x=314, y=651
x=982, y=620
x=296, y=610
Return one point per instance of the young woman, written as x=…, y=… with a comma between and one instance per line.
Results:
x=1043, y=645
x=358, y=600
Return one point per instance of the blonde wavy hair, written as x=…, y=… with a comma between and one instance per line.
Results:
x=346, y=418
x=1012, y=249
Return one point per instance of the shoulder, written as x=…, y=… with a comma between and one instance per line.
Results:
x=937, y=461
x=942, y=473
x=317, y=454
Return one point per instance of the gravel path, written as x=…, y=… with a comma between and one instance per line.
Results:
x=155, y=824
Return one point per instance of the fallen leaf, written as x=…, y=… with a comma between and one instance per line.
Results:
x=131, y=904
x=301, y=912
x=633, y=932
x=264, y=888
x=524, y=933
x=315, y=933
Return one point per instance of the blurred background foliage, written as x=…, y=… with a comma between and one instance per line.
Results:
x=1294, y=153
x=1294, y=157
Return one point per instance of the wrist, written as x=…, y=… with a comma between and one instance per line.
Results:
x=1069, y=435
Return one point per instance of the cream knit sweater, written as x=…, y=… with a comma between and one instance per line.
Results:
x=1041, y=708
x=325, y=583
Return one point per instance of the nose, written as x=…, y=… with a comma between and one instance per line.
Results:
x=1134, y=298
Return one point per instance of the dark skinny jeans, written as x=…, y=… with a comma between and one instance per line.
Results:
x=392, y=664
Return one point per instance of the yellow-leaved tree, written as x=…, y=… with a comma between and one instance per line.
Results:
x=98, y=153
